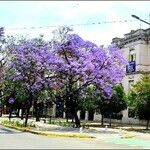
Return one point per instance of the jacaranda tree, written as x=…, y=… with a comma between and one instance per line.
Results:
x=82, y=63
x=66, y=65
x=29, y=64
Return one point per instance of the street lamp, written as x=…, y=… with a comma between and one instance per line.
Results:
x=136, y=17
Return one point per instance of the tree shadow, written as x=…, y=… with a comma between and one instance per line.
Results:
x=4, y=130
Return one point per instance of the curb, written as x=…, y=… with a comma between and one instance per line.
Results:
x=51, y=134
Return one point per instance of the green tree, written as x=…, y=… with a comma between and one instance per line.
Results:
x=139, y=98
x=93, y=98
x=88, y=98
x=114, y=105
x=16, y=90
x=117, y=102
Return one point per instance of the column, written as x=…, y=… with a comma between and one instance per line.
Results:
x=86, y=115
x=78, y=113
x=125, y=116
x=54, y=110
x=64, y=114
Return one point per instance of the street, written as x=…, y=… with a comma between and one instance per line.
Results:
x=13, y=139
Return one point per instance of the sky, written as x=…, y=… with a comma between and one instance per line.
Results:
x=19, y=14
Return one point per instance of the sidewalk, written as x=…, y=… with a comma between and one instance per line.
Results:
x=96, y=132
x=118, y=136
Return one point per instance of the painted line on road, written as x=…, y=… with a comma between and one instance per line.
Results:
x=130, y=142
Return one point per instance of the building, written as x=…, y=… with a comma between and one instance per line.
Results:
x=136, y=48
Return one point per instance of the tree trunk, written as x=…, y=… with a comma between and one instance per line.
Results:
x=72, y=120
x=147, y=124
x=66, y=116
x=22, y=113
x=110, y=120
x=37, y=115
x=27, y=116
x=10, y=113
x=28, y=106
x=102, y=120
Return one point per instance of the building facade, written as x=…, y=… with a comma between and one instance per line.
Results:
x=136, y=48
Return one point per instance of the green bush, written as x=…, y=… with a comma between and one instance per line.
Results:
x=61, y=123
x=16, y=123
x=12, y=123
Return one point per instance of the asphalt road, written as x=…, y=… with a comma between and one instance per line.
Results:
x=13, y=139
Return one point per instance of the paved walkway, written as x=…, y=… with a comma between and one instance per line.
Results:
x=109, y=135
x=14, y=139
x=114, y=136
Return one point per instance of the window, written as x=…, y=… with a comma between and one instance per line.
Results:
x=131, y=82
x=131, y=67
x=132, y=55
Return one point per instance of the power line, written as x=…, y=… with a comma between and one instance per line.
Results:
x=82, y=24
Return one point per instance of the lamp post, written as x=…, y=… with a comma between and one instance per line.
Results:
x=136, y=17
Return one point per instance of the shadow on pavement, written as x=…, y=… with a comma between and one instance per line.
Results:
x=4, y=130
x=101, y=131
x=77, y=130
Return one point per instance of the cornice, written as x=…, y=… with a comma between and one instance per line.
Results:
x=133, y=36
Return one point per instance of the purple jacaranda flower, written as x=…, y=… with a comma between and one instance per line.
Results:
x=11, y=100
x=67, y=59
